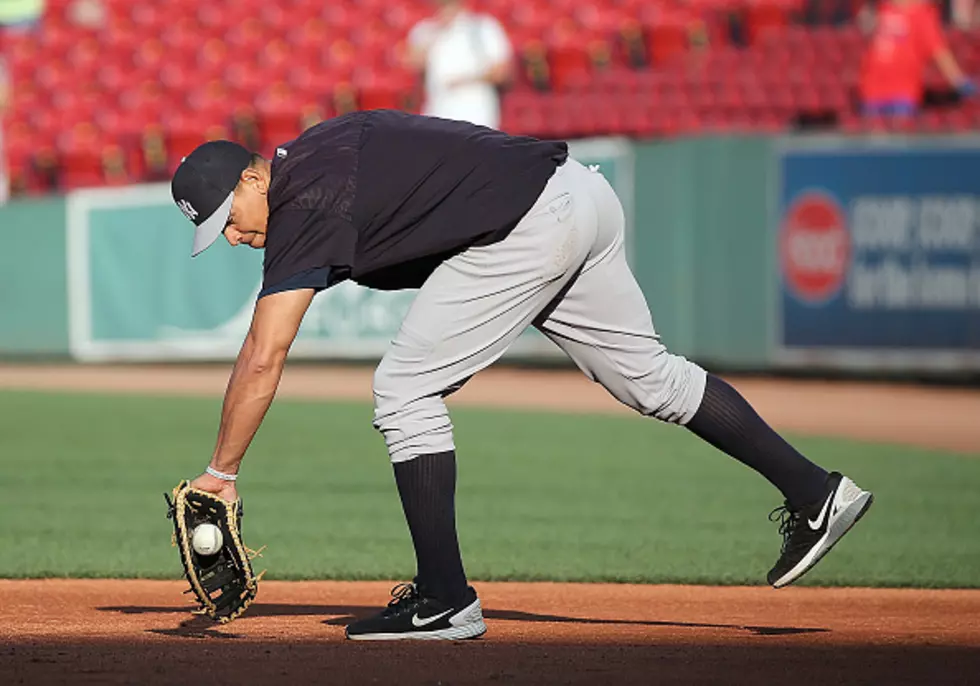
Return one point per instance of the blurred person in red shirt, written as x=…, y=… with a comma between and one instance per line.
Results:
x=906, y=35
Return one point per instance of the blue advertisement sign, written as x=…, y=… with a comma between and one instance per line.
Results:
x=878, y=254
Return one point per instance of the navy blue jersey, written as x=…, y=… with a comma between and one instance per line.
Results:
x=382, y=197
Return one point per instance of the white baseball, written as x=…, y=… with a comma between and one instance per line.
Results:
x=206, y=539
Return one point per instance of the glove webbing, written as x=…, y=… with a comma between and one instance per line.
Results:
x=223, y=571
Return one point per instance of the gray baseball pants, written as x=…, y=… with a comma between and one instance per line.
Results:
x=562, y=269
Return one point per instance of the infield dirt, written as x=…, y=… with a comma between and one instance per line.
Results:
x=109, y=632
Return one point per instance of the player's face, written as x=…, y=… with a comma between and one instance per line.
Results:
x=249, y=211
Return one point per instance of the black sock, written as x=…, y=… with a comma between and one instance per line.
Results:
x=727, y=421
x=427, y=486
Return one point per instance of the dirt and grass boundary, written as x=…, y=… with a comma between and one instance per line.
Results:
x=114, y=631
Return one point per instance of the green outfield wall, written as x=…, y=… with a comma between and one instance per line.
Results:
x=753, y=253
x=700, y=245
x=33, y=279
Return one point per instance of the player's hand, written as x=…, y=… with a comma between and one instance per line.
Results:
x=223, y=489
x=966, y=88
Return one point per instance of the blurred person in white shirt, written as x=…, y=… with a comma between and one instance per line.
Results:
x=466, y=57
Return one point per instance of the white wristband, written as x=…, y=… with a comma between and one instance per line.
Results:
x=221, y=475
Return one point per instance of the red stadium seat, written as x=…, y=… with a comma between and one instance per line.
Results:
x=179, y=81
x=212, y=56
x=182, y=39
x=342, y=18
x=384, y=90
x=614, y=66
x=667, y=37
x=148, y=154
x=617, y=81
x=534, y=18
x=766, y=16
x=80, y=155
x=151, y=55
x=932, y=122
x=118, y=49
x=278, y=20
x=770, y=123
x=519, y=113
x=27, y=99
x=313, y=81
x=116, y=165
x=185, y=131
x=246, y=79
x=21, y=145
x=211, y=103
x=400, y=18
x=152, y=18
x=958, y=120
x=374, y=44
x=638, y=116
x=278, y=111
x=114, y=77
x=55, y=78
x=85, y=56
x=312, y=33
x=249, y=36
x=79, y=105
x=340, y=55
x=851, y=123
x=56, y=40
x=23, y=54
x=213, y=17
x=901, y=125
x=114, y=125
x=144, y=103
x=574, y=52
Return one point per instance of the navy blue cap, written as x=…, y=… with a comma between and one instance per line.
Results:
x=203, y=188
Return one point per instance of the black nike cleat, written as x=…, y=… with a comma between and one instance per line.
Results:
x=810, y=532
x=410, y=615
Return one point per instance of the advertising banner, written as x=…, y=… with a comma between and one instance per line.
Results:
x=877, y=250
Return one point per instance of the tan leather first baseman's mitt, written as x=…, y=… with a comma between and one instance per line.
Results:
x=218, y=566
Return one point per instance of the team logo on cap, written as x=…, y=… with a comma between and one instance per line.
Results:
x=187, y=209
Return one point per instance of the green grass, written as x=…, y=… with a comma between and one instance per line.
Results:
x=541, y=496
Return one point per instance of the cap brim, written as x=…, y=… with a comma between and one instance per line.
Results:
x=212, y=227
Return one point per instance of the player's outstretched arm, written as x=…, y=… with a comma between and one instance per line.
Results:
x=253, y=383
x=932, y=33
x=952, y=72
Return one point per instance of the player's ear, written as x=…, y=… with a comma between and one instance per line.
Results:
x=255, y=178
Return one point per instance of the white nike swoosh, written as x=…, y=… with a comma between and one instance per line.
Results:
x=815, y=525
x=428, y=620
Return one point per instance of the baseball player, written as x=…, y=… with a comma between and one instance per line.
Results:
x=498, y=233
